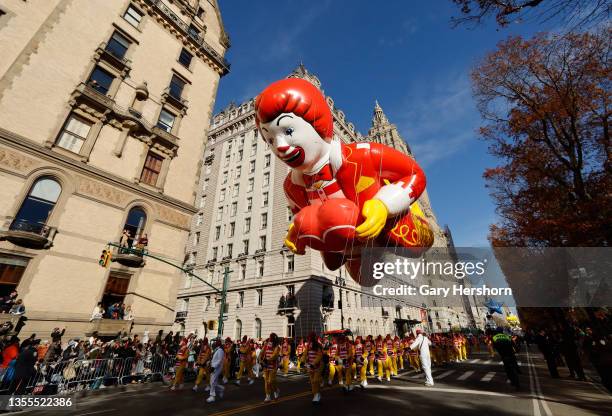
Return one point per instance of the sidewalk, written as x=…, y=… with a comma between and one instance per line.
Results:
x=564, y=396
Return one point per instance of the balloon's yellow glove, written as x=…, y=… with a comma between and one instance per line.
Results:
x=375, y=213
x=289, y=240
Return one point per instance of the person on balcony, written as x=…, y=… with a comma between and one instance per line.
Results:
x=143, y=241
x=128, y=315
x=98, y=312
x=124, y=242
x=7, y=302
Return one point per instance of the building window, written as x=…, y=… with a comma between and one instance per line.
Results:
x=227, y=160
x=267, y=161
x=249, y=204
x=205, y=185
x=289, y=214
x=239, y=155
x=176, y=87
x=230, y=250
x=238, y=331
x=243, y=271
x=251, y=184
x=133, y=16
x=37, y=207
x=260, y=268
x=247, y=225
x=217, y=232
x=100, y=80
x=238, y=169
x=151, y=169
x=264, y=220
x=262, y=242
x=74, y=134
x=224, y=180
x=166, y=120
x=232, y=229
x=259, y=300
x=258, y=328
x=266, y=179
x=185, y=58
x=265, y=199
x=240, y=299
x=135, y=224
x=215, y=251
x=254, y=148
x=245, y=243
x=222, y=195
x=290, y=263
x=196, y=239
x=252, y=166
x=234, y=209
x=114, y=292
x=11, y=271
x=236, y=190
x=193, y=31
x=207, y=304
x=219, y=213
x=202, y=201
x=290, y=326
x=118, y=45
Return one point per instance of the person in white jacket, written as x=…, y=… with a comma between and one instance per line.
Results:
x=422, y=343
x=216, y=365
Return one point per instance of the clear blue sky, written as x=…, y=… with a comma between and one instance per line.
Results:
x=403, y=53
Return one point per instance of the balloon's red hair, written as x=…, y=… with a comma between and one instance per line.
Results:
x=297, y=96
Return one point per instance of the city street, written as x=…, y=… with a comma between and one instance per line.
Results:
x=477, y=386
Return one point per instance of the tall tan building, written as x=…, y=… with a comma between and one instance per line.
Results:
x=104, y=113
x=241, y=224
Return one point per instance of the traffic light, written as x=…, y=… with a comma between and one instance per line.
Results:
x=105, y=258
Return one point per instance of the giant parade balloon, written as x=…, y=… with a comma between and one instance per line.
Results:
x=344, y=196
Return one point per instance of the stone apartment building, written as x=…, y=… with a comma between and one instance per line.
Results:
x=104, y=113
x=241, y=224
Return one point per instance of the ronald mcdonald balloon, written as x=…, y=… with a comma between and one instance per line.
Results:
x=344, y=196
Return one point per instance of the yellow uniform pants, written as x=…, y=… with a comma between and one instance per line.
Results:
x=180, y=375
x=463, y=352
x=401, y=361
x=300, y=360
x=362, y=372
x=371, y=366
x=285, y=364
x=315, y=381
x=202, y=376
x=333, y=369
x=384, y=365
x=348, y=375
x=226, y=369
x=245, y=368
x=393, y=364
x=270, y=386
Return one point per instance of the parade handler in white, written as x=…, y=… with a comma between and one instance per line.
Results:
x=216, y=365
x=422, y=343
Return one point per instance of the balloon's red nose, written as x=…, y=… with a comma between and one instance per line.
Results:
x=282, y=149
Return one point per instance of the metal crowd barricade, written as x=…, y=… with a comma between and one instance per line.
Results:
x=76, y=375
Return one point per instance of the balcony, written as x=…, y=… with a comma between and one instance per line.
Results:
x=174, y=99
x=112, y=57
x=260, y=251
x=194, y=37
x=129, y=257
x=109, y=327
x=286, y=305
x=180, y=316
x=327, y=303
x=28, y=234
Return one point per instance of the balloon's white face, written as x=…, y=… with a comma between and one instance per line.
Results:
x=294, y=141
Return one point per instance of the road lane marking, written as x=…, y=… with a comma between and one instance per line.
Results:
x=444, y=390
x=488, y=377
x=488, y=362
x=465, y=375
x=540, y=396
x=475, y=361
x=445, y=374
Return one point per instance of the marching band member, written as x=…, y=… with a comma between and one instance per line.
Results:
x=361, y=362
x=369, y=349
x=345, y=362
x=202, y=363
x=181, y=363
x=457, y=348
x=382, y=359
x=333, y=363
x=227, y=349
x=245, y=354
x=285, y=356
x=399, y=347
x=391, y=359
x=301, y=353
x=314, y=357
x=271, y=352
x=413, y=356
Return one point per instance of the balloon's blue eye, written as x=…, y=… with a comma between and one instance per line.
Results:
x=289, y=131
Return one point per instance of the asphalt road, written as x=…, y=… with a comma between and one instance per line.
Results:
x=475, y=387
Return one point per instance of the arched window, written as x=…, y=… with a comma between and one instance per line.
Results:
x=377, y=328
x=38, y=205
x=238, y=331
x=135, y=223
x=372, y=330
x=350, y=324
x=358, y=329
x=257, y=328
